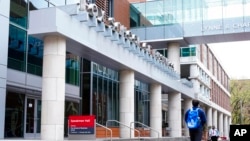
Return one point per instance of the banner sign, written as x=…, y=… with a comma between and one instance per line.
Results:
x=239, y=132
x=81, y=124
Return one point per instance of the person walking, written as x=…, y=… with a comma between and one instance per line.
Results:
x=195, y=119
x=213, y=134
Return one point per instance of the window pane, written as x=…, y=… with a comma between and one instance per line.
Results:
x=35, y=56
x=14, y=115
x=19, y=12
x=17, y=48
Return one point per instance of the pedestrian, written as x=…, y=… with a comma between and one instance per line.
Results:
x=195, y=119
x=214, y=134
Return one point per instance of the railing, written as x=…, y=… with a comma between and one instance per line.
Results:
x=125, y=126
x=146, y=127
x=106, y=130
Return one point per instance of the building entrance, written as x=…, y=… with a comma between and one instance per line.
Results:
x=32, y=117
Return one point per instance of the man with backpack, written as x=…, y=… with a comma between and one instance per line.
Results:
x=195, y=119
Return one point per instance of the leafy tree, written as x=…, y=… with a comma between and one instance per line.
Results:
x=240, y=101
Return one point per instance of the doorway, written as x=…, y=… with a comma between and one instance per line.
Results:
x=32, y=128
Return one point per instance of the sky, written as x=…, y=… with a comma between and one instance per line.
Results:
x=234, y=58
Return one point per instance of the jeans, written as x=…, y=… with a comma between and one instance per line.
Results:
x=195, y=134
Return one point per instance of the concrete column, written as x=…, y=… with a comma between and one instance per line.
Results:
x=229, y=120
x=221, y=129
x=174, y=114
x=53, y=88
x=209, y=117
x=226, y=126
x=215, y=118
x=187, y=105
x=174, y=99
x=126, y=102
x=194, y=73
x=4, y=28
x=174, y=55
x=155, y=110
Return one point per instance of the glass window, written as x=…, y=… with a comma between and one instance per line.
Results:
x=14, y=115
x=17, y=48
x=184, y=52
x=71, y=108
x=35, y=56
x=72, y=69
x=188, y=51
x=105, y=98
x=141, y=103
x=19, y=12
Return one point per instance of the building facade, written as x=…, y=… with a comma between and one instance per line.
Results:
x=45, y=74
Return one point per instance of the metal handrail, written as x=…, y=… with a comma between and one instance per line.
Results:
x=105, y=130
x=125, y=126
x=147, y=127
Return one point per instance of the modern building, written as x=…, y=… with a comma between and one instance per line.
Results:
x=59, y=58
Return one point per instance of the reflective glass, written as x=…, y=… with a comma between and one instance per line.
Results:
x=72, y=69
x=105, y=97
x=19, y=12
x=71, y=108
x=141, y=103
x=14, y=115
x=35, y=56
x=188, y=51
x=17, y=48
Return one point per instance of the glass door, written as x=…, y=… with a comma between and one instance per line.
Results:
x=32, y=118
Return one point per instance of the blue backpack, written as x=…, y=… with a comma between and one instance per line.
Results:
x=193, y=119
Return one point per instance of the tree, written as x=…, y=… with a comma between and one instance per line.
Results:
x=240, y=101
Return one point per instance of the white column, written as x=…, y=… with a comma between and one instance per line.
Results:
x=155, y=110
x=174, y=55
x=215, y=118
x=4, y=28
x=229, y=120
x=53, y=88
x=126, y=102
x=174, y=99
x=209, y=117
x=187, y=105
x=221, y=123
x=194, y=73
x=226, y=126
x=174, y=114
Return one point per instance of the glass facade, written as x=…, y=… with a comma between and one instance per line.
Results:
x=193, y=17
x=105, y=94
x=160, y=12
x=23, y=115
x=142, y=103
x=26, y=52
